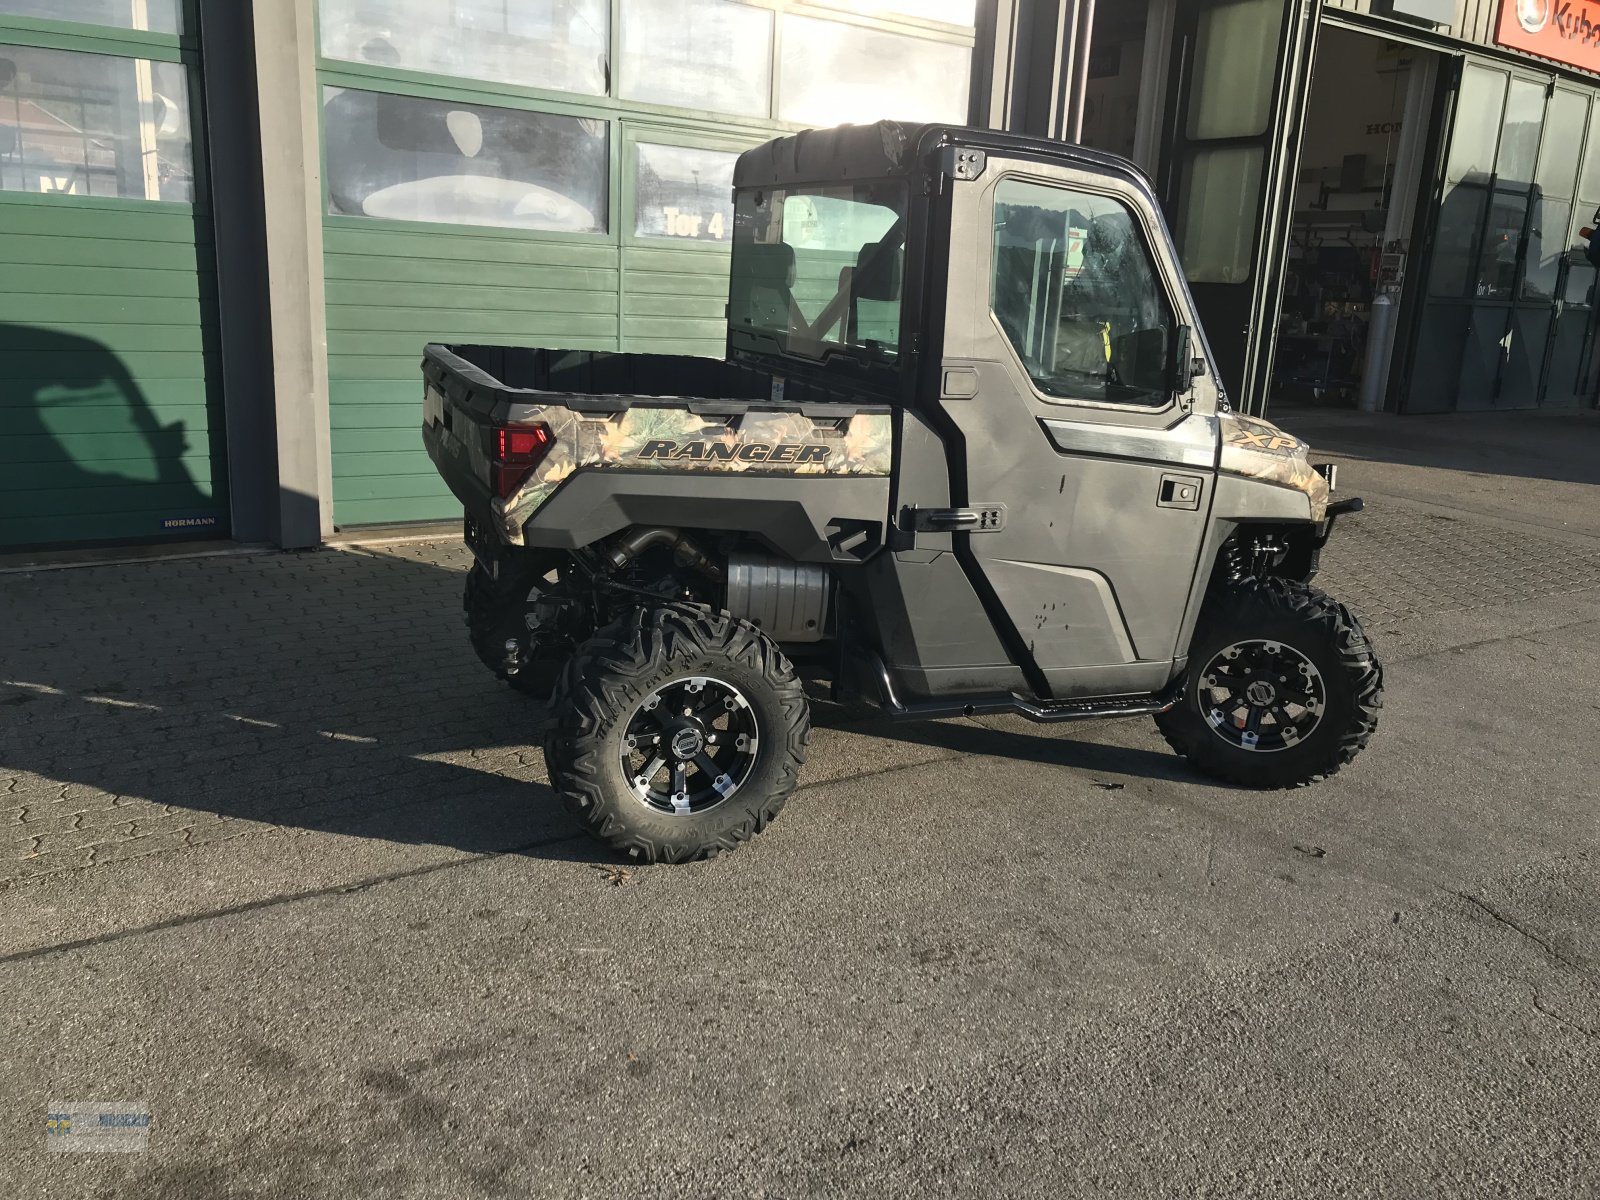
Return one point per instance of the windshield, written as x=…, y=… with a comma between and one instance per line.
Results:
x=818, y=270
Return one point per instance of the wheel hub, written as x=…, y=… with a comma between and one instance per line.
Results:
x=689, y=745
x=687, y=742
x=1262, y=696
x=1261, y=693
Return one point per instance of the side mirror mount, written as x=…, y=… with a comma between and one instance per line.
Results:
x=1183, y=372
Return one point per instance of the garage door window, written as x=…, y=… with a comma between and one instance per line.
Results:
x=555, y=44
x=78, y=124
x=144, y=16
x=683, y=194
x=415, y=159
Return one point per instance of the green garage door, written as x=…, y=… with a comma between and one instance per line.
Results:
x=558, y=172
x=106, y=419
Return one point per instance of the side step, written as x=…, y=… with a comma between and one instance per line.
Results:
x=1042, y=711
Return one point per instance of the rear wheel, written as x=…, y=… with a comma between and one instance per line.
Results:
x=1282, y=689
x=513, y=621
x=679, y=733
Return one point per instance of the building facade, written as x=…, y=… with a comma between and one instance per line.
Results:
x=228, y=227
x=1377, y=201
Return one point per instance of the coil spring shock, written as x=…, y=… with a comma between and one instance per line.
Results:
x=1235, y=562
x=1260, y=555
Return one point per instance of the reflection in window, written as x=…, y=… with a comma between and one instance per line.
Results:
x=1217, y=214
x=405, y=158
x=1456, y=239
x=1476, y=130
x=701, y=54
x=831, y=73
x=683, y=193
x=152, y=16
x=1077, y=295
x=1519, y=137
x=1580, y=282
x=1497, y=260
x=94, y=125
x=555, y=44
x=1235, y=62
x=1547, y=246
x=1563, y=134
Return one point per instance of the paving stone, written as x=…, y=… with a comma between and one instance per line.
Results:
x=206, y=699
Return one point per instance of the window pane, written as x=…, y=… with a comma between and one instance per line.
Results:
x=556, y=44
x=1456, y=241
x=94, y=125
x=1519, y=141
x=819, y=269
x=954, y=12
x=1547, y=243
x=153, y=16
x=683, y=193
x=700, y=54
x=831, y=73
x=1580, y=275
x=1589, y=188
x=405, y=158
x=1497, y=261
x=1217, y=214
x=1477, y=123
x=1075, y=291
x=1563, y=134
x=1235, y=62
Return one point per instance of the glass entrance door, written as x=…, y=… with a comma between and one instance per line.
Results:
x=1507, y=320
x=1570, y=377
x=1240, y=69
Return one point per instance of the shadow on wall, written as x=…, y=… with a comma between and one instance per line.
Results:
x=86, y=455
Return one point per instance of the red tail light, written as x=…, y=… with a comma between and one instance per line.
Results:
x=518, y=449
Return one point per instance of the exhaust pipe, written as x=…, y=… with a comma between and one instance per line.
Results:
x=687, y=553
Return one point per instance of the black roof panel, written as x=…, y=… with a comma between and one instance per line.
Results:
x=889, y=148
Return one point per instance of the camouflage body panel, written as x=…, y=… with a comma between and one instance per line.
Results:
x=1257, y=449
x=674, y=440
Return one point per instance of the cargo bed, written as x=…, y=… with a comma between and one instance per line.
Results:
x=508, y=426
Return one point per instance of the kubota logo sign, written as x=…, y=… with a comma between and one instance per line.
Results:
x=1533, y=14
x=1567, y=31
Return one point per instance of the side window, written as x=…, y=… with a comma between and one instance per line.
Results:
x=1078, y=297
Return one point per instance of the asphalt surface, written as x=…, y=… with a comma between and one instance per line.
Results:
x=294, y=881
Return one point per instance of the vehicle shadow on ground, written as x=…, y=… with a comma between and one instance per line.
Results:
x=332, y=691
x=1019, y=741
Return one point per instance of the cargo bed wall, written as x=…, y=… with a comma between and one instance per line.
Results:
x=601, y=373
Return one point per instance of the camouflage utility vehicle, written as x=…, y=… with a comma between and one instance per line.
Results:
x=967, y=453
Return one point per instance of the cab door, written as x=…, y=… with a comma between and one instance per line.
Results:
x=1090, y=455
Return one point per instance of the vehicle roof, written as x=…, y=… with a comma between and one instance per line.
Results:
x=888, y=148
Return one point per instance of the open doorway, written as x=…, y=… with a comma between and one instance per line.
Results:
x=1355, y=200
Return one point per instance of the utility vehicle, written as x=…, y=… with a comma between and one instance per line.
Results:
x=967, y=453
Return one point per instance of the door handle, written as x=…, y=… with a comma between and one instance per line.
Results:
x=982, y=518
x=1180, y=491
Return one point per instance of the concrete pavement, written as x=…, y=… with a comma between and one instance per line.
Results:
x=283, y=865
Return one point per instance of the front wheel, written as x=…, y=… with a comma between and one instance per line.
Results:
x=1282, y=688
x=680, y=733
